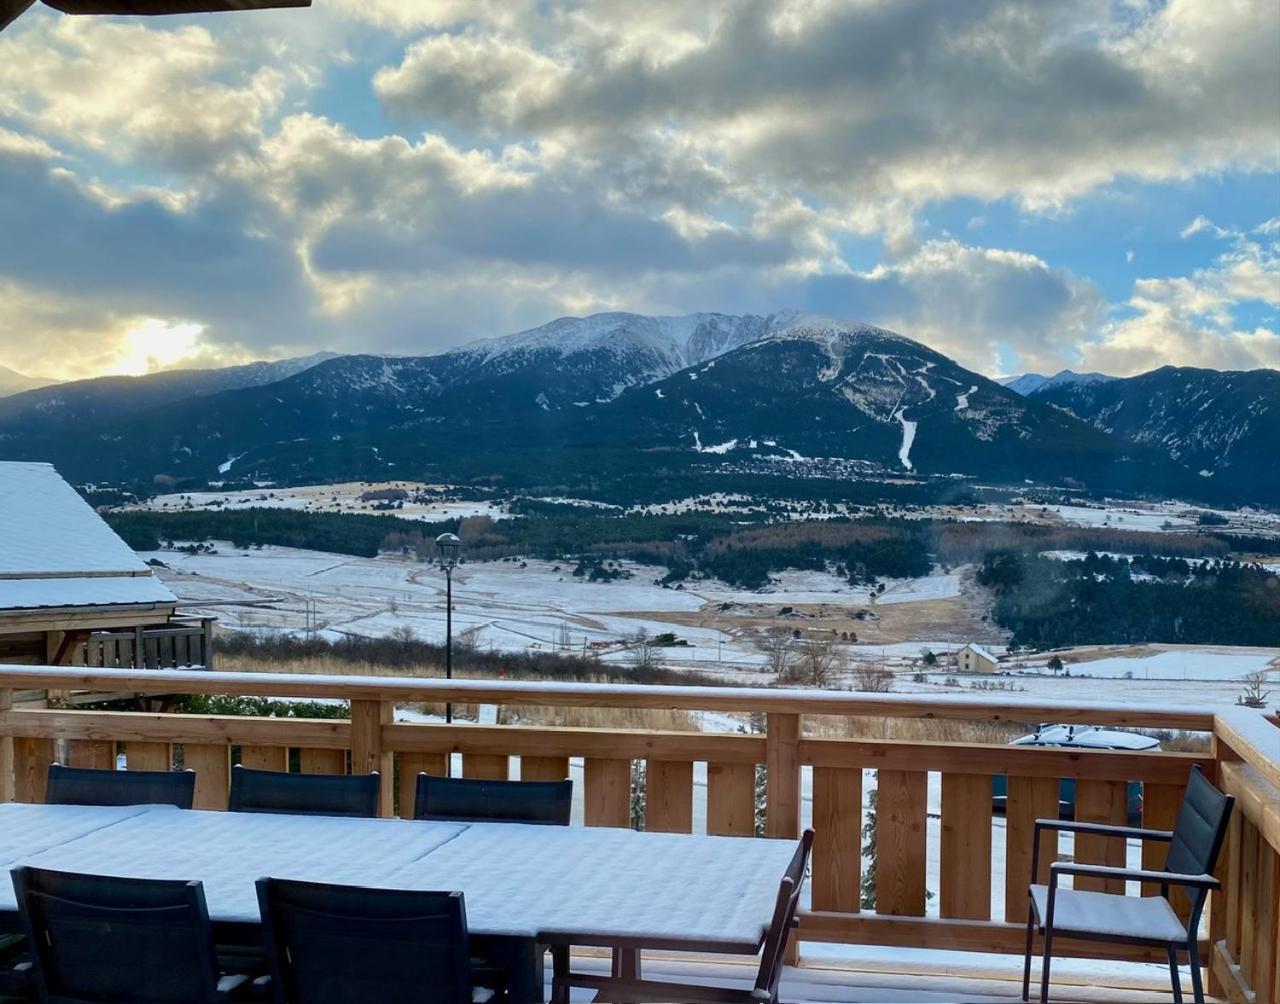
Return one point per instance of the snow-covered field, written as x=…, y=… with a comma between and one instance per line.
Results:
x=425, y=502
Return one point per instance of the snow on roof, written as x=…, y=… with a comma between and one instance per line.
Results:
x=47, y=528
x=981, y=652
x=55, y=551
x=98, y=591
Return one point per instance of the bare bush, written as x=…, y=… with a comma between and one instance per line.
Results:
x=872, y=677
x=817, y=663
x=1253, y=696
x=778, y=646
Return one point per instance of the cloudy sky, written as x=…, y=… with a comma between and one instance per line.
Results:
x=1023, y=185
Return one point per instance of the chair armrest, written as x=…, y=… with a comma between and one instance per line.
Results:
x=1104, y=829
x=1135, y=874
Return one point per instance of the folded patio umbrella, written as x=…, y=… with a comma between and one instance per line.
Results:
x=10, y=9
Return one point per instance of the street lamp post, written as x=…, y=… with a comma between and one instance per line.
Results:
x=448, y=545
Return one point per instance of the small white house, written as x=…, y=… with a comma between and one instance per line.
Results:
x=976, y=659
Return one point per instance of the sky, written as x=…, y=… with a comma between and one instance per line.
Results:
x=1025, y=186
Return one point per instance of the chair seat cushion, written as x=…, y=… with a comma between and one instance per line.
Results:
x=1105, y=914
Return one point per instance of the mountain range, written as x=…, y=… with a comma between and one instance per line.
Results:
x=622, y=395
x=13, y=382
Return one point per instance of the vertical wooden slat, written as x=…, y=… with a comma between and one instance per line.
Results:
x=544, y=768
x=668, y=800
x=367, y=752
x=837, y=827
x=31, y=759
x=1159, y=810
x=782, y=777
x=212, y=764
x=606, y=792
x=1029, y=799
x=97, y=754
x=901, y=805
x=148, y=756
x=1232, y=852
x=265, y=757
x=1267, y=925
x=966, y=846
x=6, y=751
x=486, y=766
x=731, y=799
x=1100, y=802
x=413, y=764
x=313, y=761
x=1248, y=891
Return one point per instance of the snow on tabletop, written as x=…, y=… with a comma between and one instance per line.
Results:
x=59, y=531
x=29, y=829
x=229, y=851
x=101, y=590
x=1104, y=913
x=522, y=880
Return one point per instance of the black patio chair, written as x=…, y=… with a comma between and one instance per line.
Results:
x=304, y=794
x=334, y=944
x=1150, y=921
x=102, y=940
x=88, y=786
x=769, y=974
x=471, y=800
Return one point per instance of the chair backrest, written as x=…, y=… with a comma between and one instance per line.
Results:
x=332, y=944
x=96, y=938
x=1198, y=833
x=304, y=794
x=784, y=918
x=86, y=786
x=471, y=800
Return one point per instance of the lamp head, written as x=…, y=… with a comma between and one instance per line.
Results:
x=449, y=545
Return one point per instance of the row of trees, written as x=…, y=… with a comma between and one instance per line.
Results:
x=1096, y=600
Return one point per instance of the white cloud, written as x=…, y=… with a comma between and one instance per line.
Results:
x=1192, y=320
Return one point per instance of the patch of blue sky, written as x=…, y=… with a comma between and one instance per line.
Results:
x=1126, y=231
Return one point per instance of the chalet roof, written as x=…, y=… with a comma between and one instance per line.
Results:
x=981, y=652
x=55, y=551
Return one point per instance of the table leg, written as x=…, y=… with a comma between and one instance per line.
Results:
x=523, y=961
x=626, y=963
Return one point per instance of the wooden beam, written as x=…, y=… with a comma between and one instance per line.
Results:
x=1015, y=761
x=368, y=718
x=782, y=775
x=606, y=695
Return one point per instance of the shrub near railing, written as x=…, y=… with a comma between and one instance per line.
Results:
x=835, y=766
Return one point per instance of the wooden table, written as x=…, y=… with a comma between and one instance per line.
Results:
x=525, y=886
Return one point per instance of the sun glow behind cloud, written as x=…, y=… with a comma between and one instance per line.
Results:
x=156, y=344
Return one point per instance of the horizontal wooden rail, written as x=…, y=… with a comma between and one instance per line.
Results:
x=941, y=934
x=632, y=744
x=1014, y=761
x=126, y=726
x=603, y=695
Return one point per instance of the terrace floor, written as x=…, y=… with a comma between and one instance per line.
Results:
x=846, y=984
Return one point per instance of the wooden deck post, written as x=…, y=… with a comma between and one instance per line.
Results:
x=206, y=627
x=782, y=789
x=367, y=753
x=6, y=751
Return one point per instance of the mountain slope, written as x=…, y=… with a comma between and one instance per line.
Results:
x=819, y=387
x=1223, y=425
x=70, y=405
x=1030, y=383
x=13, y=382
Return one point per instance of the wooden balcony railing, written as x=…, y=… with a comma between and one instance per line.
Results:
x=1244, y=756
